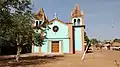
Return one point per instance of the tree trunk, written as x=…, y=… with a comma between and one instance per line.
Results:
x=18, y=39
x=18, y=53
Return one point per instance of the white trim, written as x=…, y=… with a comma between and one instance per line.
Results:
x=60, y=47
x=35, y=22
x=48, y=47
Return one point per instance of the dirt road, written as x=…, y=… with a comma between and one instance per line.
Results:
x=96, y=59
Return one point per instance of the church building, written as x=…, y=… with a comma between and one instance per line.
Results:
x=62, y=37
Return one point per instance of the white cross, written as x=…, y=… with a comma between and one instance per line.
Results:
x=55, y=15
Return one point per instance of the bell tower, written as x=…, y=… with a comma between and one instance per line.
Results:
x=39, y=20
x=78, y=26
x=77, y=16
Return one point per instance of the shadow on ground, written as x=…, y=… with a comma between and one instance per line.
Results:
x=89, y=52
x=33, y=60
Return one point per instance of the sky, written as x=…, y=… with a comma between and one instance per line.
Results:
x=102, y=17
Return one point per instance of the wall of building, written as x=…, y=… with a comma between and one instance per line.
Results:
x=62, y=32
x=78, y=39
x=36, y=49
x=63, y=45
x=61, y=35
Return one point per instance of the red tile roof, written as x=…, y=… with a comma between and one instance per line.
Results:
x=76, y=12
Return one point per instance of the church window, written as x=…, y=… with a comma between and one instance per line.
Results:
x=40, y=22
x=74, y=21
x=36, y=23
x=78, y=21
x=55, y=28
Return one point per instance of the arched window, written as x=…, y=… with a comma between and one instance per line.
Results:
x=37, y=23
x=74, y=21
x=78, y=21
x=40, y=22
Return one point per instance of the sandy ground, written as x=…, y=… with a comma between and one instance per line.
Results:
x=96, y=59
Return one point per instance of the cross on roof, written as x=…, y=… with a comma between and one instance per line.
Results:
x=56, y=15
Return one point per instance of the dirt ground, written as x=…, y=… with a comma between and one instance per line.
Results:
x=98, y=58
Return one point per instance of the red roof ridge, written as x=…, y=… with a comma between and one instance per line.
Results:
x=58, y=20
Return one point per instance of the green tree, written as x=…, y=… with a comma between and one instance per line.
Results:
x=39, y=38
x=116, y=40
x=86, y=37
x=15, y=25
x=94, y=41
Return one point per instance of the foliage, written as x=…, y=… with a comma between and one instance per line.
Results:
x=15, y=23
x=15, y=17
x=39, y=38
x=116, y=40
x=86, y=37
x=94, y=41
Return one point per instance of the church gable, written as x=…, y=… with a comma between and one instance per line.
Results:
x=59, y=21
x=58, y=29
